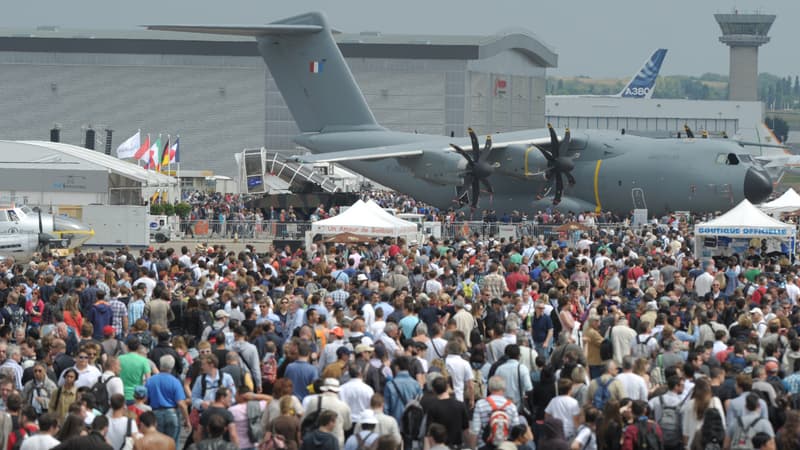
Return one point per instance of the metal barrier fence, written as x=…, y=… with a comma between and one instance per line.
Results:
x=228, y=229
x=269, y=230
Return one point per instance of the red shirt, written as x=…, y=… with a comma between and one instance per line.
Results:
x=28, y=429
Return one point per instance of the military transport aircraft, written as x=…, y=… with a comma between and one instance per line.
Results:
x=24, y=232
x=524, y=170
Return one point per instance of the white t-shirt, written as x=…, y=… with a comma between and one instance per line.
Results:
x=117, y=429
x=461, y=373
x=635, y=386
x=565, y=408
x=586, y=439
x=39, y=442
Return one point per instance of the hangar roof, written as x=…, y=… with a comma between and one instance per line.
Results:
x=361, y=45
x=58, y=156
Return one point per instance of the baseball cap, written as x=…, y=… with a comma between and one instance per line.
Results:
x=337, y=331
x=220, y=314
x=140, y=392
x=343, y=351
x=108, y=330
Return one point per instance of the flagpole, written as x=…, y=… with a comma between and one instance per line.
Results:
x=178, y=170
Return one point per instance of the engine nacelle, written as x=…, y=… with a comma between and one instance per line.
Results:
x=442, y=168
x=521, y=161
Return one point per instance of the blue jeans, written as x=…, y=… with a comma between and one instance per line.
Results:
x=543, y=351
x=167, y=423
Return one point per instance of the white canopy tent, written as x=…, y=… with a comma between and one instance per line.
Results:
x=364, y=220
x=788, y=202
x=735, y=230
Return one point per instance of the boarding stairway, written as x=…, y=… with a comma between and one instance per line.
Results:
x=298, y=177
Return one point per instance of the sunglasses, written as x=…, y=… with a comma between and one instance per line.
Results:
x=83, y=357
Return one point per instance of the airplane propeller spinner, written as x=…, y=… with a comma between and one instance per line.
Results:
x=478, y=167
x=558, y=165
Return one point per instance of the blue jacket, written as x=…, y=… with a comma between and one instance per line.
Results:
x=398, y=392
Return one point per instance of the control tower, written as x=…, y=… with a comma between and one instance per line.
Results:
x=744, y=33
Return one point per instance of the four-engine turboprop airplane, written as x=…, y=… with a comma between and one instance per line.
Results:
x=524, y=170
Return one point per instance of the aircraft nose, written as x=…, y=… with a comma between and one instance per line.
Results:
x=757, y=185
x=67, y=224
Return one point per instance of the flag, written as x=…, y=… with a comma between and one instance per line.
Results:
x=165, y=154
x=174, y=151
x=154, y=155
x=141, y=153
x=315, y=66
x=131, y=145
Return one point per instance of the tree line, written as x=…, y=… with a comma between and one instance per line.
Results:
x=777, y=93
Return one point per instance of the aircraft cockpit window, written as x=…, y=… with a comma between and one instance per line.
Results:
x=26, y=209
x=728, y=159
x=12, y=215
x=745, y=158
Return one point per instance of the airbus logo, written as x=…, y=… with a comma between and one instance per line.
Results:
x=636, y=92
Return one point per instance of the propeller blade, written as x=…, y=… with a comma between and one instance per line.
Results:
x=41, y=228
x=476, y=149
x=476, y=192
x=487, y=186
x=546, y=153
x=570, y=178
x=564, y=146
x=461, y=152
x=487, y=148
x=559, y=189
x=553, y=140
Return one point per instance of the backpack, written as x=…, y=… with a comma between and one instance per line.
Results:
x=640, y=350
x=311, y=421
x=375, y=378
x=498, y=428
x=742, y=438
x=21, y=434
x=607, y=346
x=411, y=422
x=671, y=424
x=467, y=288
x=254, y=429
x=602, y=394
x=100, y=392
x=269, y=371
x=361, y=442
x=478, y=386
x=16, y=316
x=647, y=438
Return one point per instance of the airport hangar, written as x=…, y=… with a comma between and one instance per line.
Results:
x=659, y=117
x=218, y=95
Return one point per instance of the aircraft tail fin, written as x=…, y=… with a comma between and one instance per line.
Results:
x=308, y=69
x=641, y=85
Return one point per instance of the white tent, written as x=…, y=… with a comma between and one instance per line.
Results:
x=364, y=220
x=744, y=222
x=789, y=201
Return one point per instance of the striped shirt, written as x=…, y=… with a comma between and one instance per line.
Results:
x=135, y=311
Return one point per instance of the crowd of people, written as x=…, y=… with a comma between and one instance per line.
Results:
x=622, y=341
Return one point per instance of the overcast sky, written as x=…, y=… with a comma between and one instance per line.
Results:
x=596, y=38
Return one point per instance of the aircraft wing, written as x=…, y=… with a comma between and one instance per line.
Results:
x=362, y=154
x=778, y=161
x=239, y=30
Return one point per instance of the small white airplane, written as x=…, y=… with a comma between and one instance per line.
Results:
x=24, y=232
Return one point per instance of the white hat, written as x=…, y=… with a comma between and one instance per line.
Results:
x=362, y=277
x=368, y=417
x=330, y=384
